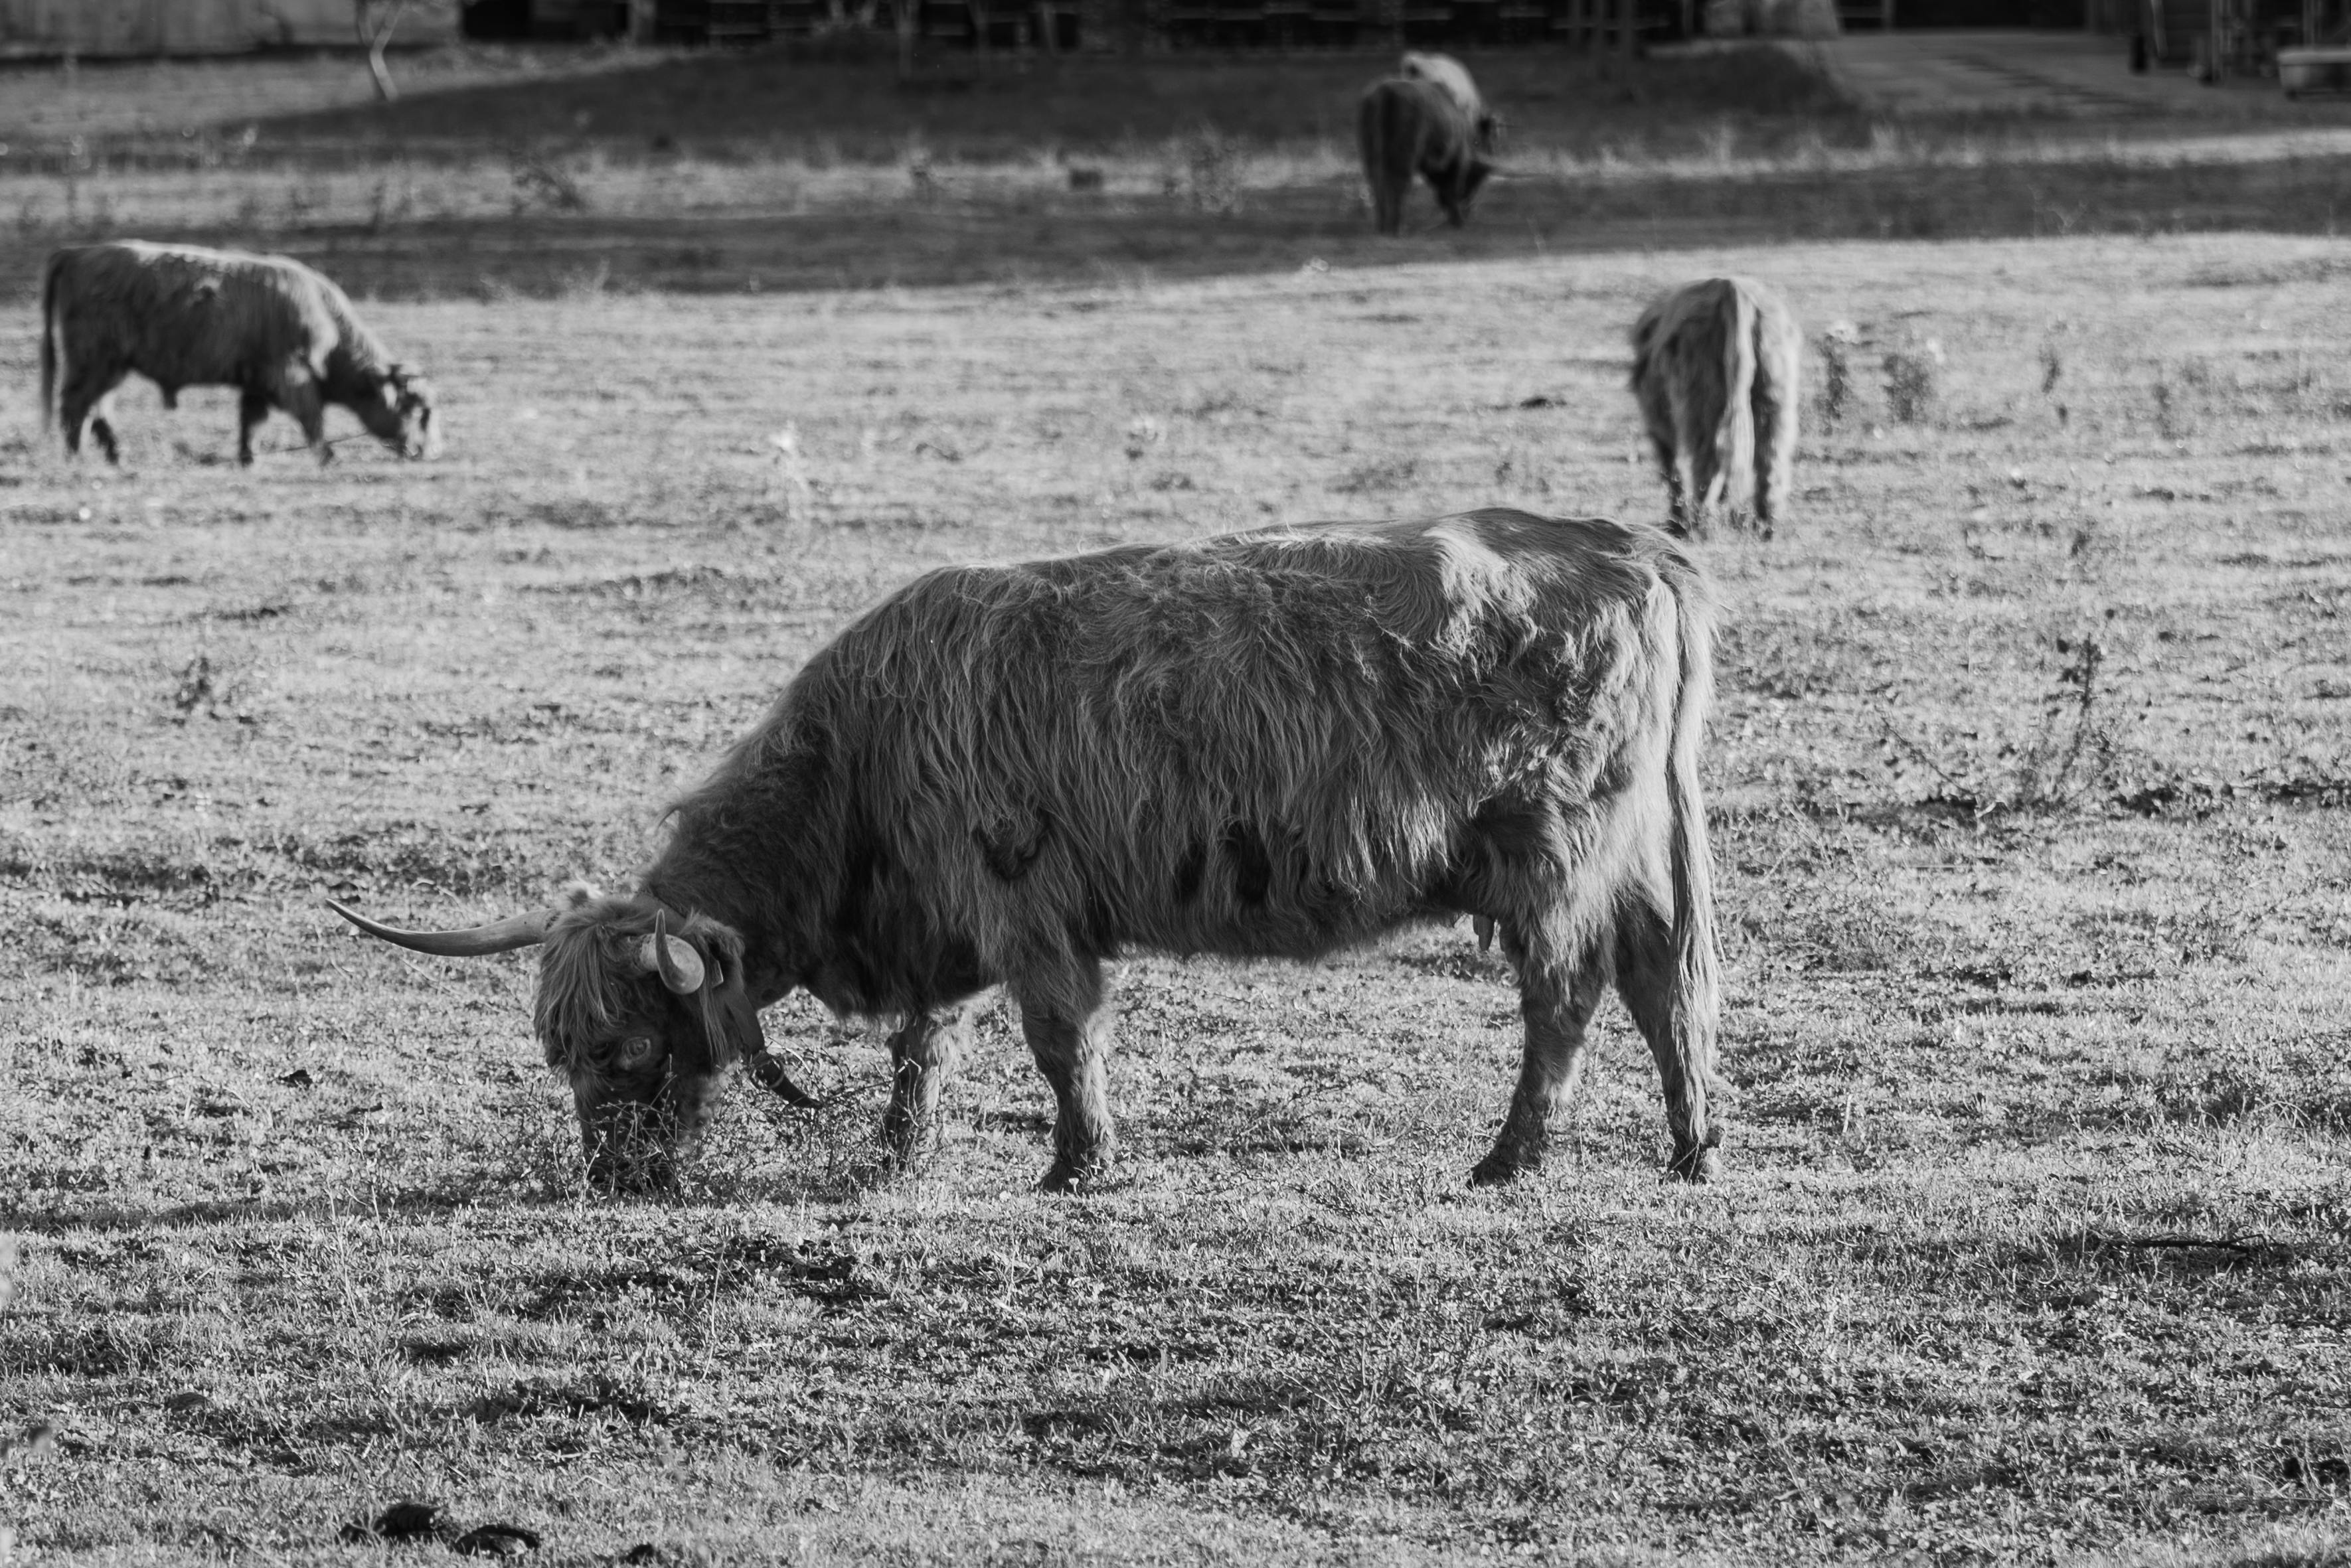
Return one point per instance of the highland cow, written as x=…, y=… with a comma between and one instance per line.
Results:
x=183, y=316
x=1714, y=368
x=1405, y=126
x=1279, y=744
x=1445, y=72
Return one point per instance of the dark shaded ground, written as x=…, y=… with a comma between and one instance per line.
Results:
x=966, y=109
x=1061, y=236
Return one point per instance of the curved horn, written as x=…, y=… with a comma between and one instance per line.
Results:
x=498, y=936
x=769, y=1074
x=673, y=957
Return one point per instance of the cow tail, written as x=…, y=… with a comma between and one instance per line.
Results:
x=49, y=340
x=1697, y=956
x=1735, y=441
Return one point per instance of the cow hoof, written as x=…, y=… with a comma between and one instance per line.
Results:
x=1063, y=1175
x=1699, y=1166
x=1496, y=1171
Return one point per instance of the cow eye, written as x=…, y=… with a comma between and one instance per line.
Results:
x=637, y=1051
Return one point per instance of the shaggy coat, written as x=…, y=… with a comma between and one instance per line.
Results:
x=1445, y=71
x=183, y=315
x=1278, y=744
x=1714, y=367
x=1405, y=126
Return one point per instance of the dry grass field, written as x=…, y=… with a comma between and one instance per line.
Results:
x=2031, y=784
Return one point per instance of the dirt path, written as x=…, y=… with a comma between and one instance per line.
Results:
x=2081, y=74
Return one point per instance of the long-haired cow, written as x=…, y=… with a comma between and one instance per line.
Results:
x=1406, y=126
x=1714, y=367
x=183, y=315
x=1272, y=743
x=1449, y=74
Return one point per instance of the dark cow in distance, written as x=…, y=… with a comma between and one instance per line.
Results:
x=183, y=315
x=1278, y=744
x=1403, y=127
x=1445, y=71
x=1715, y=367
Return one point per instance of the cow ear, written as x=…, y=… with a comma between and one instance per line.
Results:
x=576, y=894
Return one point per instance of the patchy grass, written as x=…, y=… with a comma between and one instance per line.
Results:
x=2034, y=1247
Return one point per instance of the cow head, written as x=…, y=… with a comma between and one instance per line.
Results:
x=400, y=413
x=639, y=1009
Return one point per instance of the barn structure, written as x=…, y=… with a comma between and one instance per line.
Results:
x=102, y=28
x=2239, y=32
x=2217, y=36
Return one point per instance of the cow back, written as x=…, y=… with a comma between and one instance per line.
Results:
x=185, y=315
x=1275, y=743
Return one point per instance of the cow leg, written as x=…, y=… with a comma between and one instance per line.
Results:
x=1696, y=457
x=1677, y=494
x=1067, y=1026
x=1650, y=982
x=1446, y=186
x=252, y=408
x=921, y=1056
x=1558, y=988
x=1774, y=408
x=87, y=400
x=300, y=398
x=102, y=429
x=1465, y=190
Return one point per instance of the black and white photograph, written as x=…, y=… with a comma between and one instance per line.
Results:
x=1082, y=783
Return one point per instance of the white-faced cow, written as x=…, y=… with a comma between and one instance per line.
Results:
x=1274, y=744
x=1445, y=72
x=1715, y=367
x=183, y=315
x=1405, y=126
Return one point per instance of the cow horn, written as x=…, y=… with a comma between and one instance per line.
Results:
x=679, y=965
x=498, y=937
x=769, y=1074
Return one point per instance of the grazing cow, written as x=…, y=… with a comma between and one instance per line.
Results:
x=183, y=315
x=1714, y=368
x=1445, y=72
x=1405, y=126
x=1277, y=743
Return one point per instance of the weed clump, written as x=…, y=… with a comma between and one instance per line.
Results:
x=1836, y=371
x=2072, y=747
x=1910, y=382
x=2074, y=729
x=545, y=180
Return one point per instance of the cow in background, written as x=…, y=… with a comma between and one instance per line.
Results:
x=1404, y=126
x=1445, y=71
x=1714, y=368
x=1278, y=744
x=184, y=316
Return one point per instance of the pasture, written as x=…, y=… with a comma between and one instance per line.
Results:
x=2031, y=778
